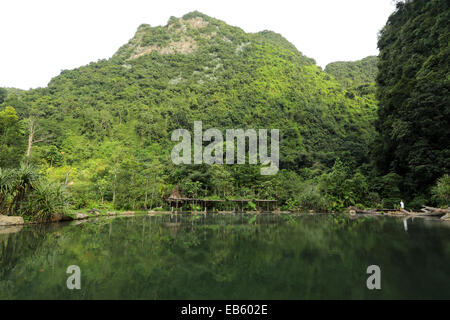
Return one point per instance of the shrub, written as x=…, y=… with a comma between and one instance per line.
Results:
x=441, y=191
x=25, y=192
x=47, y=198
x=310, y=198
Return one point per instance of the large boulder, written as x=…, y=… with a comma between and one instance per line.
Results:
x=10, y=221
x=58, y=217
x=81, y=216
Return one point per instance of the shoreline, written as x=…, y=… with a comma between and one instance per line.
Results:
x=18, y=221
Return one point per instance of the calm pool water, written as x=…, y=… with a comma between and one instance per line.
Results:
x=227, y=257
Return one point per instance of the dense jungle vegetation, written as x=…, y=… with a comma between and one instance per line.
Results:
x=414, y=93
x=99, y=135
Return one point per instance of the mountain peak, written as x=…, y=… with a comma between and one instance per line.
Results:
x=179, y=35
x=195, y=32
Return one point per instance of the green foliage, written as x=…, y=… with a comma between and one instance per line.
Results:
x=252, y=205
x=3, y=94
x=338, y=187
x=24, y=191
x=388, y=188
x=46, y=199
x=11, y=138
x=413, y=89
x=310, y=197
x=441, y=191
x=354, y=73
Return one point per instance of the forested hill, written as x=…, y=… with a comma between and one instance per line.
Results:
x=105, y=127
x=354, y=73
x=413, y=86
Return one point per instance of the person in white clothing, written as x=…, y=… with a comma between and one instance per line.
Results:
x=402, y=205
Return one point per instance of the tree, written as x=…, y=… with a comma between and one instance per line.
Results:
x=337, y=186
x=441, y=191
x=11, y=138
x=222, y=180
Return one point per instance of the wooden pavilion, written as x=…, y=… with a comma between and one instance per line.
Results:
x=176, y=201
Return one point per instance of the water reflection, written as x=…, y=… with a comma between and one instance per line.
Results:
x=227, y=257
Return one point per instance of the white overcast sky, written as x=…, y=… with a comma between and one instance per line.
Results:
x=39, y=38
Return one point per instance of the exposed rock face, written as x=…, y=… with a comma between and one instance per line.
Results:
x=127, y=213
x=81, y=216
x=177, y=37
x=446, y=217
x=194, y=23
x=111, y=213
x=10, y=221
x=185, y=46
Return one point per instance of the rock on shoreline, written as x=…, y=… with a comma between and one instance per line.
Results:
x=10, y=221
x=127, y=213
x=81, y=216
